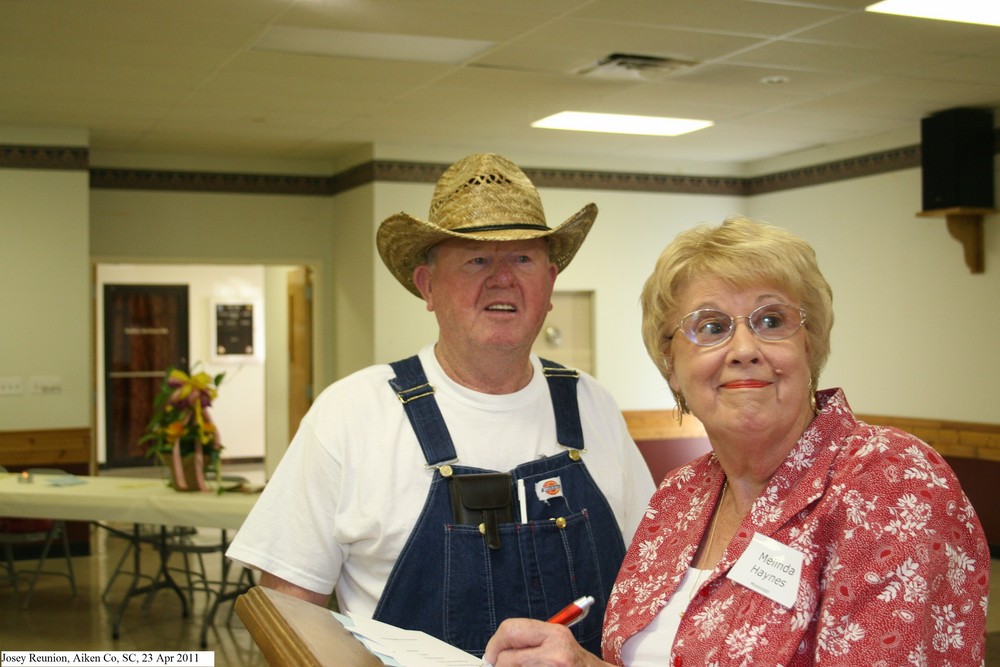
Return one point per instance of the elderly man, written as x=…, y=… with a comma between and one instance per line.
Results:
x=473, y=481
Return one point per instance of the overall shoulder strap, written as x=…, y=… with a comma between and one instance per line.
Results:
x=417, y=396
x=562, y=388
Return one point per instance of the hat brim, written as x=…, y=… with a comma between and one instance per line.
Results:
x=403, y=241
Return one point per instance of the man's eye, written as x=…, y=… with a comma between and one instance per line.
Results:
x=523, y=259
x=478, y=260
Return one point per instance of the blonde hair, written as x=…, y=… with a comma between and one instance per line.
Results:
x=741, y=253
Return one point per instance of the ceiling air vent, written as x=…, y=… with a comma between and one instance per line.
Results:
x=633, y=66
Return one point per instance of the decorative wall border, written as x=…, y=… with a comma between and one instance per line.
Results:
x=197, y=181
x=420, y=172
x=896, y=159
x=41, y=157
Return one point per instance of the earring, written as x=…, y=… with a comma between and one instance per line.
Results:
x=680, y=407
x=812, y=398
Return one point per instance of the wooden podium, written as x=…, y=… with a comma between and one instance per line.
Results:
x=294, y=633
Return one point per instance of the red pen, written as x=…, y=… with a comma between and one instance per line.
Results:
x=573, y=612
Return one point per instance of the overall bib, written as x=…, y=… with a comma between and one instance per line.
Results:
x=449, y=583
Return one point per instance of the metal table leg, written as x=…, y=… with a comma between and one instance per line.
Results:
x=163, y=578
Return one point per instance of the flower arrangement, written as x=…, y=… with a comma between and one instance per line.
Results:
x=181, y=433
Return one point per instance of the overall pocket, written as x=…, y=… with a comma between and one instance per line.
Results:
x=540, y=567
x=484, y=500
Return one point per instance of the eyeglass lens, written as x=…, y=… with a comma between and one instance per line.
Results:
x=773, y=321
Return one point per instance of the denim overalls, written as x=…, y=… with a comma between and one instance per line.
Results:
x=448, y=583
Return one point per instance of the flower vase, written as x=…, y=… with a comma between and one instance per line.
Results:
x=187, y=472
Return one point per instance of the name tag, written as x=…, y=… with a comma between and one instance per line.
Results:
x=771, y=568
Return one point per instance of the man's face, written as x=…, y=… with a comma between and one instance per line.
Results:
x=488, y=295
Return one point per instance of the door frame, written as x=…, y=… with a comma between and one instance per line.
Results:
x=111, y=270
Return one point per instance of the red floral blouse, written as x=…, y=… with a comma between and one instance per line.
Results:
x=896, y=567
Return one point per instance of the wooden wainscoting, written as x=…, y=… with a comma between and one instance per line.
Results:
x=973, y=452
x=661, y=425
x=663, y=442
x=67, y=449
x=53, y=448
x=951, y=438
x=971, y=449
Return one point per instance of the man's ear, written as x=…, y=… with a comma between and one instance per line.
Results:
x=553, y=274
x=422, y=279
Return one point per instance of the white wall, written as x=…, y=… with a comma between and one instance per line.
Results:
x=878, y=255
x=915, y=333
x=45, y=329
x=240, y=407
x=222, y=228
x=630, y=232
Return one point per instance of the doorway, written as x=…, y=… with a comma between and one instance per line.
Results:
x=145, y=334
x=300, y=363
x=567, y=336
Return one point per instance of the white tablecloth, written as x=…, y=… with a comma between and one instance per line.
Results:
x=125, y=499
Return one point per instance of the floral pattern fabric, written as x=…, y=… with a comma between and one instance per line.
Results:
x=895, y=571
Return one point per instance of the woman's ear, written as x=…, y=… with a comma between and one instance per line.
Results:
x=668, y=367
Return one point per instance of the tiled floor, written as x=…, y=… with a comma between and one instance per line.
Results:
x=57, y=621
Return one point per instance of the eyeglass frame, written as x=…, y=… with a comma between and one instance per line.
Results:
x=735, y=320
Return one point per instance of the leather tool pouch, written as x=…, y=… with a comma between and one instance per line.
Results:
x=484, y=500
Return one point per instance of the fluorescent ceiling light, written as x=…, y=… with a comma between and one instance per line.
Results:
x=582, y=121
x=984, y=12
x=369, y=45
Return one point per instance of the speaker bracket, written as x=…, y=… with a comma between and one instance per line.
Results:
x=965, y=224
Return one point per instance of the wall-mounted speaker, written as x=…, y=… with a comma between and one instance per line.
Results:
x=956, y=149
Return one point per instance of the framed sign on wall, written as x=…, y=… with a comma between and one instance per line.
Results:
x=235, y=334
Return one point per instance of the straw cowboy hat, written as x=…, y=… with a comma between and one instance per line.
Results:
x=484, y=197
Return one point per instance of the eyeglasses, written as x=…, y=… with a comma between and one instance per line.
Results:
x=772, y=321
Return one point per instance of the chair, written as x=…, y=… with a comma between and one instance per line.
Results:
x=185, y=540
x=141, y=534
x=20, y=531
x=191, y=543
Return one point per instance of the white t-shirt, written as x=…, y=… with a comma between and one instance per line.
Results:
x=346, y=494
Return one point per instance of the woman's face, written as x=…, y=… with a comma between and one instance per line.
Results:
x=745, y=385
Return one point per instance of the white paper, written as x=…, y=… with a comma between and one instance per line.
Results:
x=408, y=648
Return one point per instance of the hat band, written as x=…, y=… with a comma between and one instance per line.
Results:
x=497, y=228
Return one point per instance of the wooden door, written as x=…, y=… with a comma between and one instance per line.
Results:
x=300, y=379
x=145, y=333
x=567, y=337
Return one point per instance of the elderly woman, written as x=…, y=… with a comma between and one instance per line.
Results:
x=806, y=537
